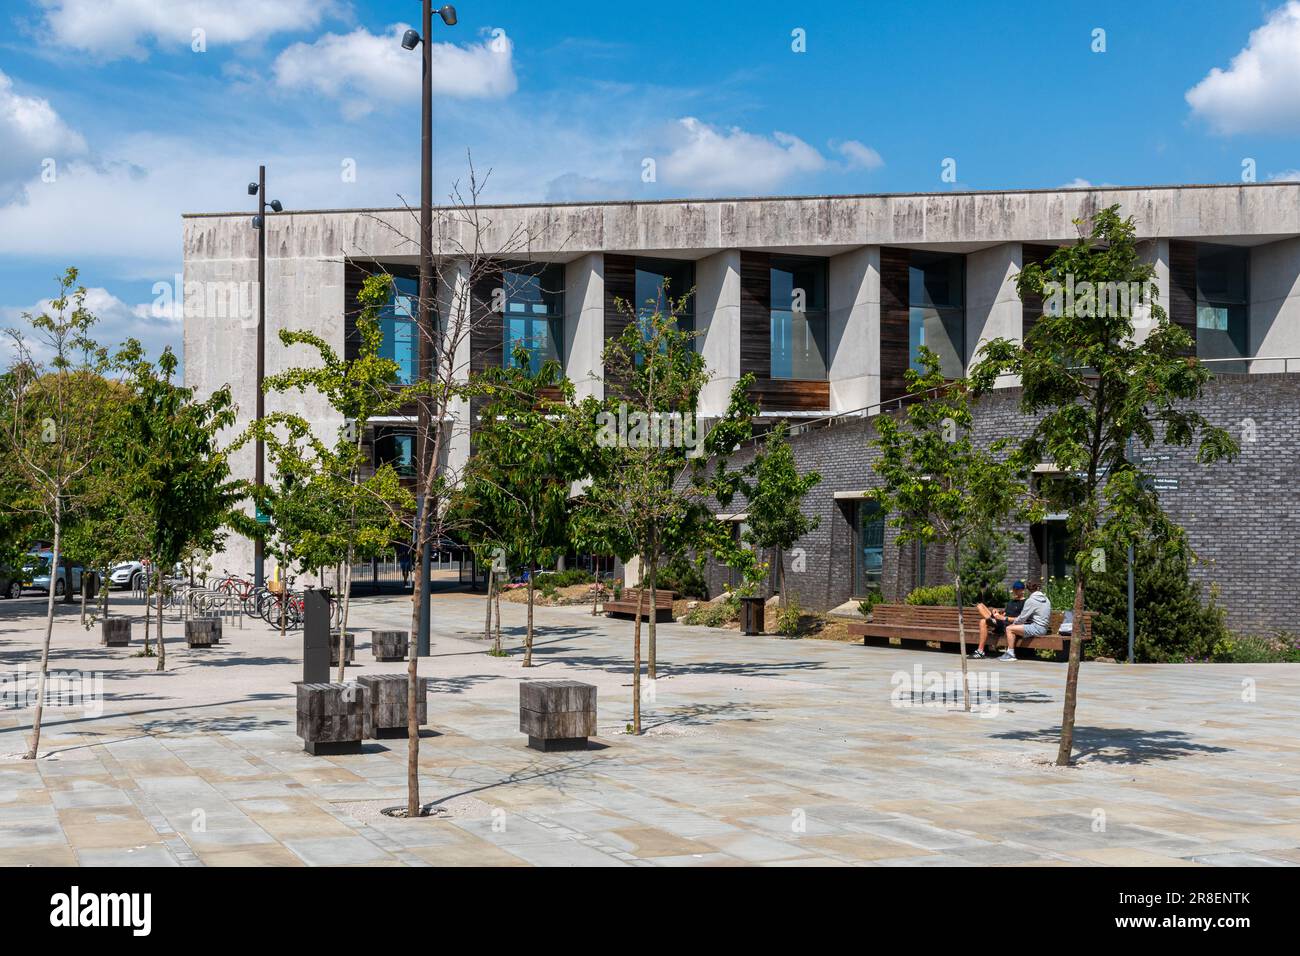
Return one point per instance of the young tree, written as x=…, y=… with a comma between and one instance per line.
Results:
x=177, y=469
x=939, y=484
x=472, y=247
x=775, y=497
x=369, y=509
x=54, y=428
x=651, y=485
x=530, y=448
x=1093, y=389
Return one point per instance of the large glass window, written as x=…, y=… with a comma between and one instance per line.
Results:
x=869, y=547
x=798, y=305
x=396, y=448
x=397, y=326
x=937, y=320
x=1222, y=301
x=660, y=285
x=533, y=300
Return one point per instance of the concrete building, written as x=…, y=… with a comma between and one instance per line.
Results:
x=825, y=300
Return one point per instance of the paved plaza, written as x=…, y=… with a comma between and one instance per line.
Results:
x=757, y=750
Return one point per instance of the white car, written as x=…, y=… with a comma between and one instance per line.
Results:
x=128, y=574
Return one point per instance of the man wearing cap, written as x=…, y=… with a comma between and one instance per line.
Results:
x=996, y=621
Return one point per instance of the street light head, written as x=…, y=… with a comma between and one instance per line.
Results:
x=276, y=206
x=448, y=14
x=410, y=40
x=257, y=222
x=252, y=189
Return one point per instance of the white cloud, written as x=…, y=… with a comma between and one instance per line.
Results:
x=858, y=155
x=1077, y=183
x=704, y=158
x=1258, y=92
x=1286, y=176
x=30, y=133
x=155, y=328
x=110, y=29
x=360, y=68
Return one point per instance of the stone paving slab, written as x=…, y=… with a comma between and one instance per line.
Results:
x=757, y=751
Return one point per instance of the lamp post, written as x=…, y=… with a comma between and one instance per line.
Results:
x=410, y=40
x=258, y=189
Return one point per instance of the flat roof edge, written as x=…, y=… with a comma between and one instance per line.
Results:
x=414, y=210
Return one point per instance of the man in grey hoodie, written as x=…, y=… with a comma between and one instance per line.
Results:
x=1033, y=621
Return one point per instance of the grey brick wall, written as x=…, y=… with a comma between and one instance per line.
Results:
x=1242, y=517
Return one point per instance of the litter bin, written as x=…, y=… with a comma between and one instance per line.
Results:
x=751, y=615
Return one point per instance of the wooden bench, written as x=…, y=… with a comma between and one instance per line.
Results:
x=627, y=605
x=939, y=624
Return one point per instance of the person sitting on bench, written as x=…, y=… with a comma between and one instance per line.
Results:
x=1033, y=620
x=997, y=621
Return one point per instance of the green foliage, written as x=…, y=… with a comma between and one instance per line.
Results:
x=1060, y=591
x=178, y=473
x=322, y=511
x=564, y=579
x=984, y=570
x=530, y=447
x=1172, y=622
x=788, y=617
x=873, y=598
x=715, y=613
x=775, y=495
x=684, y=578
x=938, y=595
x=1279, y=648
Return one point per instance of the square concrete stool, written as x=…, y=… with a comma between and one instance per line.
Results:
x=557, y=714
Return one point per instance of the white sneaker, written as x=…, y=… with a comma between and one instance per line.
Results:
x=1008, y=656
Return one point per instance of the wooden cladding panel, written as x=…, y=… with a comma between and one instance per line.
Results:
x=1182, y=286
x=895, y=322
x=791, y=395
x=486, y=330
x=620, y=287
x=756, y=314
x=1032, y=304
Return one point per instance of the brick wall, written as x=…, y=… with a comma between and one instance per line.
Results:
x=1242, y=518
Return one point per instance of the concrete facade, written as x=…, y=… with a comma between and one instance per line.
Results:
x=306, y=274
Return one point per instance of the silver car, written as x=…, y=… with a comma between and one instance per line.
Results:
x=40, y=572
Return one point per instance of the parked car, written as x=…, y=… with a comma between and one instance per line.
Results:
x=40, y=574
x=11, y=583
x=128, y=574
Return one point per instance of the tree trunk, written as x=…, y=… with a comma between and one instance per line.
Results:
x=487, y=620
x=162, y=645
x=413, y=656
x=636, y=664
x=39, y=710
x=528, y=632
x=148, y=615
x=346, y=577
x=961, y=632
x=1064, y=754
x=654, y=573
x=84, y=572
x=780, y=578
x=497, y=602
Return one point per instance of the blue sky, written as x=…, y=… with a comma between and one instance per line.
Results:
x=568, y=101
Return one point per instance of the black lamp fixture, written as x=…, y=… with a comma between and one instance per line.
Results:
x=411, y=38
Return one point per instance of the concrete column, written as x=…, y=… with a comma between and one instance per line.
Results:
x=853, y=329
x=584, y=324
x=717, y=320
x=1275, y=304
x=1155, y=252
x=993, y=308
x=455, y=306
